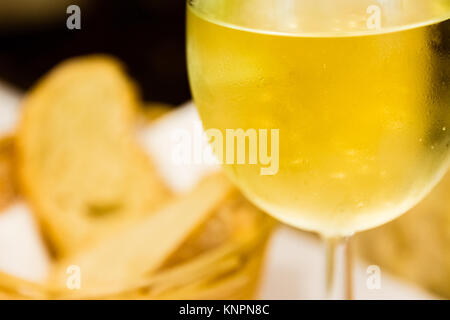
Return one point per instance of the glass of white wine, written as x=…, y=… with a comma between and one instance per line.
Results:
x=358, y=91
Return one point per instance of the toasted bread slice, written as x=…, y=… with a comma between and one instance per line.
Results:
x=79, y=163
x=12, y=287
x=234, y=220
x=114, y=263
x=7, y=179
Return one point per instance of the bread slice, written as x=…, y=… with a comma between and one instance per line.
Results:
x=79, y=163
x=14, y=288
x=7, y=180
x=116, y=262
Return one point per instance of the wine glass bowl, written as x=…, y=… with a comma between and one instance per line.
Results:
x=357, y=91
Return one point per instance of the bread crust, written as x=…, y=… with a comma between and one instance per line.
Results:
x=78, y=161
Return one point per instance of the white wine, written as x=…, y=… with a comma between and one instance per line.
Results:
x=363, y=109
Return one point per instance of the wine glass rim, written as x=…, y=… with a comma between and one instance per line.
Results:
x=322, y=34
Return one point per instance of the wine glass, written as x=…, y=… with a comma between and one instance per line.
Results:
x=332, y=116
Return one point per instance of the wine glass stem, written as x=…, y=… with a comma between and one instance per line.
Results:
x=338, y=268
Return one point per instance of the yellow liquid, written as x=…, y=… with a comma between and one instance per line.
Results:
x=363, y=115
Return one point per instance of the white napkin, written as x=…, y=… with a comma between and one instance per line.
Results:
x=22, y=251
x=177, y=145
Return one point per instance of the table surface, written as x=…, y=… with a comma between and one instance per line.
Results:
x=294, y=263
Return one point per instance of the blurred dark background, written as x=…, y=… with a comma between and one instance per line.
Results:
x=147, y=35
